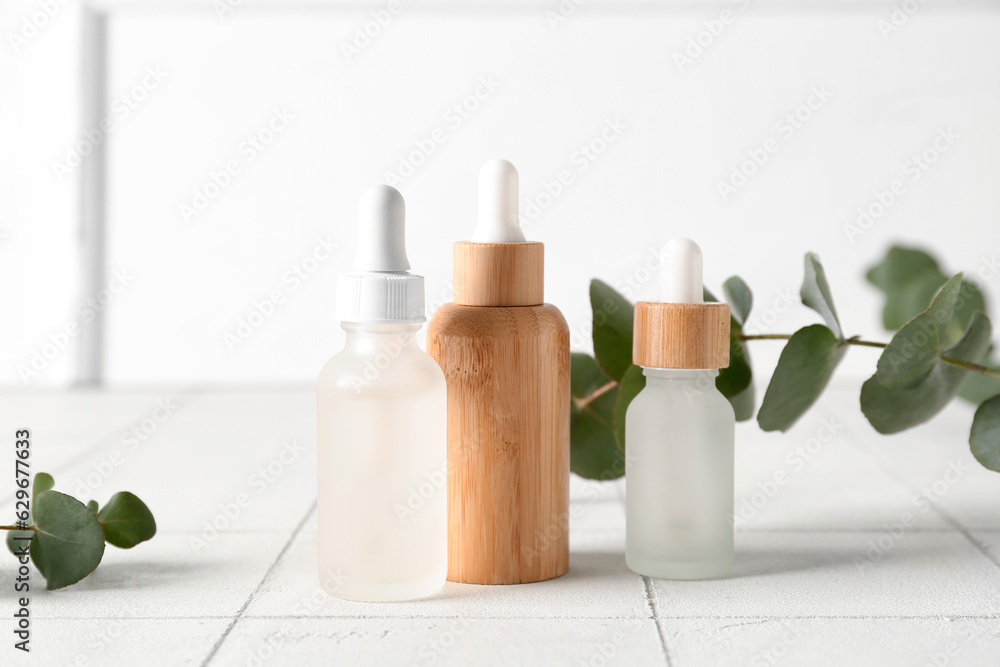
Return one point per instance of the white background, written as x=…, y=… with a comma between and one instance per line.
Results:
x=686, y=129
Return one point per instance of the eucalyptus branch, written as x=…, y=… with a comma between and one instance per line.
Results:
x=856, y=340
x=70, y=537
x=922, y=305
x=969, y=366
x=584, y=401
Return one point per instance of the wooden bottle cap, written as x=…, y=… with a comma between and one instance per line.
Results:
x=681, y=335
x=499, y=274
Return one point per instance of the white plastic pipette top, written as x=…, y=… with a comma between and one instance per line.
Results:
x=381, y=288
x=381, y=231
x=498, y=221
x=680, y=277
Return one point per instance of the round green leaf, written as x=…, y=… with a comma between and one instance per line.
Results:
x=909, y=278
x=737, y=377
x=739, y=297
x=585, y=376
x=816, y=294
x=612, y=329
x=980, y=387
x=594, y=454
x=914, y=350
x=984, y=439
x=803, y=371
x=126, y=521
x=632, y=383
x=92, y=506
x=68, y=544
x=970, y=301
x=744, y=403
x=43, y=482
x=14, y=544
x=894, y=409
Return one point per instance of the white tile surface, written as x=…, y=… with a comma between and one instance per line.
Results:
x=816, y=477
x=801, y=568
x=451, y=641
x=821, y=642
x=598, y=585
x=90, y=642
x=168, y=578
x=922, y=573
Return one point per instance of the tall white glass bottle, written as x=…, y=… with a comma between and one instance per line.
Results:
x=381, y=414
x=680, y=431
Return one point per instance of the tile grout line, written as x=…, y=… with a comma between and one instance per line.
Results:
x=891, y=469
x=355, y=617
x=654, y=609
x=242, y=610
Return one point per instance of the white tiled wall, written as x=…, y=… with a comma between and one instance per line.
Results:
x=675, y=132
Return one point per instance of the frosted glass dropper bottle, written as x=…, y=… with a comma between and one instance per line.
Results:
x=381, y=413
x=679, y=431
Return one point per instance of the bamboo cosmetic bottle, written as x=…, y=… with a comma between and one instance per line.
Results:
x=505, y=357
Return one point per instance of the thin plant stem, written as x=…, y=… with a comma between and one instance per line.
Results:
x=969, y=366
x=594, y=395
x=856, y=340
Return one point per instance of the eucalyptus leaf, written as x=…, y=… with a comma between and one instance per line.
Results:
x=612, y=329
x=744, y=403
x=970, y=301
x=92, y=506
x=734, y=379
x=632, y=383
x=816, y=294
x=984, y=438
x=890, y=410
x=804, y=368
x=126, y=521
x=738, y=376
x=13, y=543
x=739, y=297
x=978, y=388
x=909, y=278
x=69, y=543
x=585, y=376
x=43, y=482
x=594, y=452
x=913, y=352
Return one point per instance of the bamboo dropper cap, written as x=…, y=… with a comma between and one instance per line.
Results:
x=681, y=331
x=498, y=267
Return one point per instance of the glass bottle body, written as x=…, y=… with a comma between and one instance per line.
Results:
x=679, y=434
x=382, y=483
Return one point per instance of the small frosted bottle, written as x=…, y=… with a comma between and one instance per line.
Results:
x=381, y=414
x=679, y=431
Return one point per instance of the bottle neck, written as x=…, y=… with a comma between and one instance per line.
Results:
x=696, y=376
x=366, y=338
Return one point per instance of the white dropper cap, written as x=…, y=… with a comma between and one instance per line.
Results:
x=681, y=275
x=498, y=221
x=381, y=288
